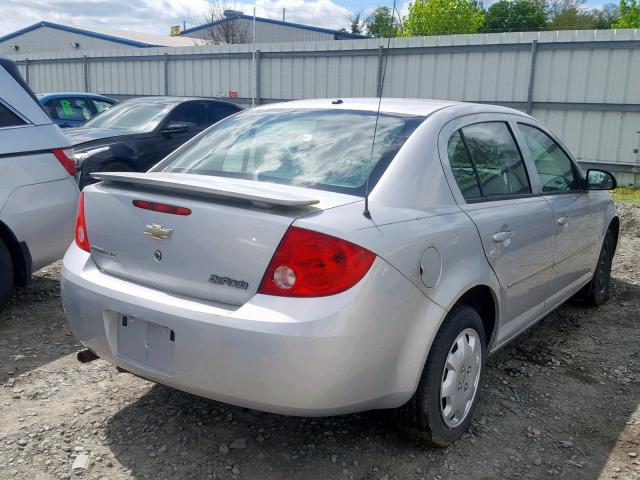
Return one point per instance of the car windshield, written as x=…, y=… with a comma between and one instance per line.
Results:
x=323, y=149
x=134, y=116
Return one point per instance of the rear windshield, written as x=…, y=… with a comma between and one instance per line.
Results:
x=325, y=149
x=134, y=117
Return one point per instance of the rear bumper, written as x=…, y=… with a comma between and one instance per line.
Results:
x=359, y=350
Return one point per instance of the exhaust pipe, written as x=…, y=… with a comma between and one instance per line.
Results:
x=86, y=356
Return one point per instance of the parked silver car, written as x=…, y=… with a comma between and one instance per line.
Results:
x=289, y=260
x=38, y=194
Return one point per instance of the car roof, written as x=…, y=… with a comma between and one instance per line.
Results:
x=176, y=100
x=166, y=99
x=49, y=95
x=405, y=106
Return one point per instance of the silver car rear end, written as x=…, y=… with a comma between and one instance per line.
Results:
x=181, y=298
x=307, y=356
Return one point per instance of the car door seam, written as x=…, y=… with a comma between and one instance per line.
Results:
x=575, y=252
x=481, y=243
x=531, y=274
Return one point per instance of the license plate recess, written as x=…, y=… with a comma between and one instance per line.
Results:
x=146, y=342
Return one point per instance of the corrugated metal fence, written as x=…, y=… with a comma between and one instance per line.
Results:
x=585, y=85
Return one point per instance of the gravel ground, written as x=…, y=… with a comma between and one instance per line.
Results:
x=561, y=401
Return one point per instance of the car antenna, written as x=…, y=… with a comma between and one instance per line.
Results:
x=366, y=211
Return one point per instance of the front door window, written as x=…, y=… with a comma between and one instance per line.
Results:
x=553, y=165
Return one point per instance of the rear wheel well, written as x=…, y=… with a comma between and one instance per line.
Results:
x=482, y=300
x=100, y=165
x=119, y=160
x=88, y=167
x=19, y=254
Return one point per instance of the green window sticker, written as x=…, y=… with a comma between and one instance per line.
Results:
x=66, y=107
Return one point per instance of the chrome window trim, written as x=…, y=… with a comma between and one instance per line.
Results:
x=447, y=131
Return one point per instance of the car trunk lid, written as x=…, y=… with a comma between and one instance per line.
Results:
x=219, y=252
x=82, y=135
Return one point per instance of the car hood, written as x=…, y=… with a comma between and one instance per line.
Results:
x=81, y=135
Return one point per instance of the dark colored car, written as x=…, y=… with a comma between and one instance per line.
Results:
x=72, y=109
x=136, y=134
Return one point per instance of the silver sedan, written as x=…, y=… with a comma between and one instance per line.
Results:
x=323, y=257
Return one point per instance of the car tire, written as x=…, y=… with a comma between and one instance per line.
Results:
x=85, y=177
x=423, y=417
x=6, y=275
x=597, y=291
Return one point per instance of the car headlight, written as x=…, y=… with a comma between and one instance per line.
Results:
x=82, y=156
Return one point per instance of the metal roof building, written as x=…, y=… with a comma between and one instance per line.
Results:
x=47, y=37
x=267, y=30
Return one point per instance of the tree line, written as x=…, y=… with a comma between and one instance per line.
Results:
x=448, y=17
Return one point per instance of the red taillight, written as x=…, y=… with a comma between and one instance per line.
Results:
x=66, y=158
x=81, y=226
x=312, y=264
x=161, y=207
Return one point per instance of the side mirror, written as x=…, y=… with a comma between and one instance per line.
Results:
x=173, y=128
x=600, y=180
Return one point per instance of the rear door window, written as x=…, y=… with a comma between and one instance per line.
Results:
x=193, y=114
x=554, y=167
x=101, y=105
x=218, y=111
x=71, y=109
x=463, y=169
x=496, y=160
x=8, y=118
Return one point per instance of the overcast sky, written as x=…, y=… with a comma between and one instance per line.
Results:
x=156, y=16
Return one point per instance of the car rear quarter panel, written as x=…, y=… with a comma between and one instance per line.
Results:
x=20, y=170
x=26, y=159
x=403, y=240
x=412, y=209
x=43, y=215
x=31, y=138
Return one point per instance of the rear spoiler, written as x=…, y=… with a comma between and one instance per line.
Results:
x=259, y=193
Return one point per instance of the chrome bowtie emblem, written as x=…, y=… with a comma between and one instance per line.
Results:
x=157, y=255
x=158, y=231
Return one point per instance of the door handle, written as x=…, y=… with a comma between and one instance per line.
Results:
x=563, y=220
x=502, y=236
